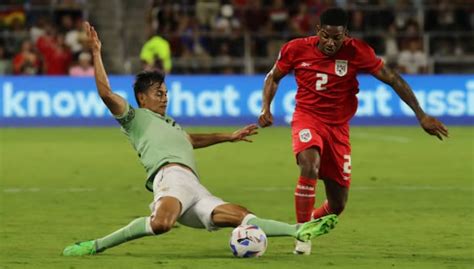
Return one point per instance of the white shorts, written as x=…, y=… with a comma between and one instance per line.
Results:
x=197, y=203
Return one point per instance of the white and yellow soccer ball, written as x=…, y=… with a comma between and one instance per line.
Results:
x=247, y=241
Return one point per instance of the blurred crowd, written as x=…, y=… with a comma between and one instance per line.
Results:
x=216, y=36
x=228, y=36
x=43, y=42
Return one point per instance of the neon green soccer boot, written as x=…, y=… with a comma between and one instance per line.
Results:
x=80, y=249
x=317, y=227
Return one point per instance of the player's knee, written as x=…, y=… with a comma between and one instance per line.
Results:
x=337, y=208
x=239, y=213
x=242, y=214
x=309, y=169
x=160, y=226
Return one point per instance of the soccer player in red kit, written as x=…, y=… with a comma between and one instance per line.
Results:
x=325, y=68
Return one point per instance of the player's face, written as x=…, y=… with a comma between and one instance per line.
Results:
x=331, y=38
x=156, y=98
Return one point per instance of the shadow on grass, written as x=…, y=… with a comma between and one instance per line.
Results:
x=202, y=256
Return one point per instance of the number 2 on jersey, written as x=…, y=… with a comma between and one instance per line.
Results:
x=321, y=80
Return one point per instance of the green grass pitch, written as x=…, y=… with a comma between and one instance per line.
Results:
x=411, y=204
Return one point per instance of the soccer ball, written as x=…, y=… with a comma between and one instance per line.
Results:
x=248, y=241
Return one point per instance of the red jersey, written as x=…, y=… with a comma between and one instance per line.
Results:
x=327, y=85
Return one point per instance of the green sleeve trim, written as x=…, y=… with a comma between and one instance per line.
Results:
x=127, y=115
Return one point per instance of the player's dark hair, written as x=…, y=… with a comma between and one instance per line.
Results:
x=145, y=79
x=334, y=17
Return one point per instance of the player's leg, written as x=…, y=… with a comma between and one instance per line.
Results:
x=336, y=172
x=166, y=213
x=171, y=197
x=336, y=195
x=211, y=212
x=308, y=162
x=231, y=215
x=167, y=210
x=308, y=146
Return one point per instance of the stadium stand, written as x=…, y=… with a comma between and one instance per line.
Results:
x=238, y=36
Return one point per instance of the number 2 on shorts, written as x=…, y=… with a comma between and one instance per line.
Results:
x=347, y=164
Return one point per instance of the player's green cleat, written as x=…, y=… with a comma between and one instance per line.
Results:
x=80, y=249
x=317, y=227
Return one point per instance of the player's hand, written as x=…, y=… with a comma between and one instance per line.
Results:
x=434, y=127
x=265, y=119
x=92, y=37
x=244, y=133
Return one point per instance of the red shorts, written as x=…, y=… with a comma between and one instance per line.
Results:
x=332, y=142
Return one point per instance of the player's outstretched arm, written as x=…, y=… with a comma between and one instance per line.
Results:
x=205, y=140
x=430, y=124
x=116, y=104
x=270, y=86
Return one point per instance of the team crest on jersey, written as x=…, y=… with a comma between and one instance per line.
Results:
x=341, y=67
x=305, y=135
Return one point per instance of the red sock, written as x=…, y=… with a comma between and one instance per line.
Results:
x=322, y=211
x=304, y=198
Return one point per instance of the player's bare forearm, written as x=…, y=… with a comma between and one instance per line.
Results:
x=205, y=140
x=114, y=102
x=270, y=86
x=402, y=88
x=269, y=89
x=430, y=124
x=101, y=79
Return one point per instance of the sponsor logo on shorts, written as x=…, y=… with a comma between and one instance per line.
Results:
x=305, y=135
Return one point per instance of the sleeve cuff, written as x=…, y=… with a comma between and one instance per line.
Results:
x=283, y=68
x=377, y=67
x=123, y=115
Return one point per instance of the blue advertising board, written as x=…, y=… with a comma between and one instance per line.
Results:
x=223, y=100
